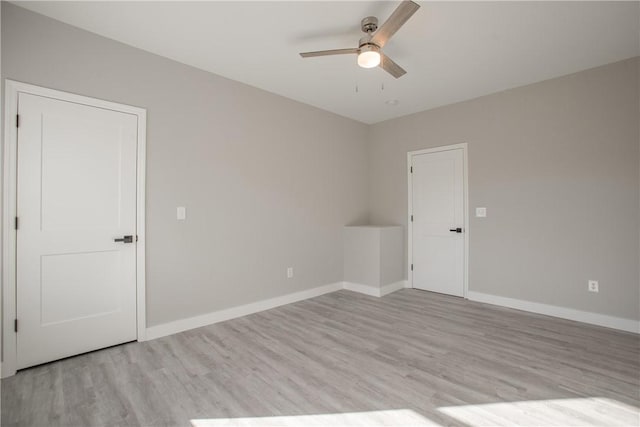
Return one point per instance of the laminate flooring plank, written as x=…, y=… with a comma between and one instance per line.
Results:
x=409, y=358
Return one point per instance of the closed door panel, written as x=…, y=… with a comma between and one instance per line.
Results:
x=76, y=286
x=438, y=207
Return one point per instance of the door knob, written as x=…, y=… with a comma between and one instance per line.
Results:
x=124, y=239
x=456, y=230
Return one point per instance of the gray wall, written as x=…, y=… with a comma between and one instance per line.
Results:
x=556, y=165
x=268, y=182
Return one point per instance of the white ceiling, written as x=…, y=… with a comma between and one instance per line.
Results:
x=452, y=51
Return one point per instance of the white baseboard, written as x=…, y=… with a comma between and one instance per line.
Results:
x=387, y=289
x=239, y=311
x=374, y=291
x=244, y=310
x=622, y=324
x=181, y=325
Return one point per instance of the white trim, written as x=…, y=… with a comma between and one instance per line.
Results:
x=392, y=287
x=409, y=222
x=9, y=344
x=375, y=291
x=239, y=311
x=372, y=291
x=465, y=181
x=622, y=324
x=141, y=228
x=182, y=325
x=12, y=89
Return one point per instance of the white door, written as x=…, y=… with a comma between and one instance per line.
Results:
x=76, y=193
x=437, y=202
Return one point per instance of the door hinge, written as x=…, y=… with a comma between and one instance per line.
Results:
x=17, y=120
x=411, y=267
x=15, y=325
x=16, y=223
x=411, y=218
x=411, y=170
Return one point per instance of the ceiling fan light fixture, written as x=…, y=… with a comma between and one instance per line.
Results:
x=369, y=56
x=369, y=47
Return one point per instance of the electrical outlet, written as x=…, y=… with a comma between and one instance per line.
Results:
x=593, y=286
x=289, y=272
x=181, y=213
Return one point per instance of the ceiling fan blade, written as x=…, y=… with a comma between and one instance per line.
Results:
x=328, y=52
x=397, y=19
x=391, y=67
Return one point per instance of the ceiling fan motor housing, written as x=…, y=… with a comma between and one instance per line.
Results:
x=367, y=46
x=369, y=24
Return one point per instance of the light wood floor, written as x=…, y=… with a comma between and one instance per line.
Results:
x=412, y=357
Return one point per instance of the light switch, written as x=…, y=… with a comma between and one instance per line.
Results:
x=481, y=212
x=181, y=213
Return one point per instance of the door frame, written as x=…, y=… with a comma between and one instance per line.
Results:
x=9, y=202
x=465, y=210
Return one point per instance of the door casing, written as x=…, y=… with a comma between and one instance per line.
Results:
x=9, y=193
x=465, y=181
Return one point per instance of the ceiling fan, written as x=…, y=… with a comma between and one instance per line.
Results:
x=369, y=48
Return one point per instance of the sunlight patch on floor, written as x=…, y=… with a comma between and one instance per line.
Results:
x=395, y=417
x=588, y=411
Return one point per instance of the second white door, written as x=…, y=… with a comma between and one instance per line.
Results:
x=76, y=285
x=437, y=223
